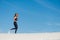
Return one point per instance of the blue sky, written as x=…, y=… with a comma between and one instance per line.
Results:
x=35, y=16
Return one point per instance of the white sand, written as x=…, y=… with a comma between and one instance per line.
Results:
x=31, y=36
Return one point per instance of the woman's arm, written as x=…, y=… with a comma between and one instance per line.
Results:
x=15, y=19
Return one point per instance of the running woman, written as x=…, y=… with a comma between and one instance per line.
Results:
x=15, y=22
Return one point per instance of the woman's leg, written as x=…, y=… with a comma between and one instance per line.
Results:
x=15, y=30
x=12, y=29
x=16, y=27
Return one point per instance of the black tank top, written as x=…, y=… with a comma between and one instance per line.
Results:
x=16, y=19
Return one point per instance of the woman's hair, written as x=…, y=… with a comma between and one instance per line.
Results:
x=15, y=14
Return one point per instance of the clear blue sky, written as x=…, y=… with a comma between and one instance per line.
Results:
x=35, y=16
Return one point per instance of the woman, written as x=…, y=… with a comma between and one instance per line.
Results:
x=15, y=23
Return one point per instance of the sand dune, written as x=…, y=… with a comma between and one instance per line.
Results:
x=31, y=36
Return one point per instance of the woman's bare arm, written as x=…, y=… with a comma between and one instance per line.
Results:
x=14, y=19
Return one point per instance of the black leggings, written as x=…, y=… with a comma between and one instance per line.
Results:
x=16, y=27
